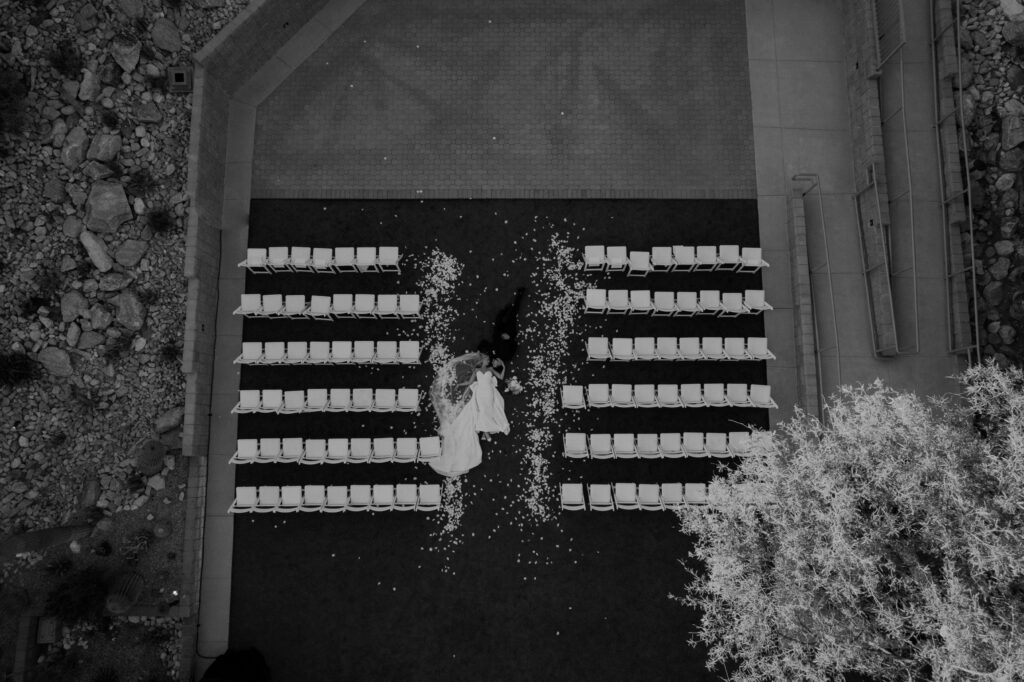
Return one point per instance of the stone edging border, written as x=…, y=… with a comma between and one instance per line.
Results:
x=803, y=308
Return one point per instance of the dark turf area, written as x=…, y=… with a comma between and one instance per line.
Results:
x=389, y=596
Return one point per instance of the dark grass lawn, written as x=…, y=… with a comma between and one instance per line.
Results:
x=499, y=594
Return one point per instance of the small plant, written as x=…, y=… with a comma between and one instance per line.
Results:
x=31, y=304
x=148, y=297
x=103, y=549
x=79, y=597
x=110, y=119
x=170, y=352
x=136, y=545
x=141, y=183
x=117, y=347
x=158, y=83
x=66, y=59
x=48, y=283
x=12, y=101
x=57, y=440
x=16, y=368
x=161, y=220
x=86, y=397
x=60, y=567
x=107, y=674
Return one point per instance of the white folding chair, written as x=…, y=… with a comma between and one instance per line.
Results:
x=739, y=443
x=314, y=497
x=337, y=499
x=624, y=445
x=405, y=497
x=572, y=497
x=323, y=260
x=716, y=444
x=639, y=264
x=315, y=451
x=644, y=396
x=270, y=451
x=668, y=395
x=409, y=305
x=601, y=497
x=366, y=259
x=643, y=348
x=728, y=257
x=597, y=348
x=757, y=348
x=714, y=395
x=342, y=352
x=291, y=499
x=387, y=352
x=661, y=259
x=317, y=400
x=711, y=348
x=693, y=444
x=337, y=450
x=272, y=400
x=672, y=495
x=251, y=305
x=625, y=496
x=387, y=307
x=342, y=305
x=363, y=352
x=690, y=395
x=245, y=500
x=598, y=395
x=295, y=305
x=710, y=302
x=751, y=259
x=365, y=305
x=301, y=259
x=732, y=304
x=601, y=446
x=670, y=445
x=408, y=400
x=388, y=258
x=294, y=402
x=359, y=451
x=274, y=353
x=430, y=448
x=707, y=259
x=272, y=306
x=689, y=348
x=735, y=348
x=695, y=493
x=647, y=445
x=429, y=498
x=409, y=352
x=622, y=395
x=684, y=258
x=362, y=400
x=596, y=301
x=616, y=258
x=277, y=259
x=575, y=445
x=252, y=353
x=268, y=497
x=593, y=257
x=687, y=304
x=340, y=400
x=297, y=353
x=383, y=450
x=618, y=302
x=753, y=299
x=248, y=401
x=664, y=304
x=255, y=261
x=359, y=498
x=385, y=400
x=640, y=302
x=320, y=352
x=345, y=259
x=761, y=396
x=649, y=497
x=667, y=348
x=320, y=308
x=245, y=451
x=572, y=397
x=406, y=449
x=736, y=395
x=622, y=349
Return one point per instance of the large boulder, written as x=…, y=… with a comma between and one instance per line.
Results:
x=169, y=419
x=56, y=361
x=89, y=340
x=107, y=207
x=1013, y=32
x=104, y=147
x=131, y=313
x=148, y=456
x=73, y=151
x=148, y=112
x=100, y=317
x=165, y=35
x=132, y=9
x=125, y=49
x=72, y=306
x=97, y=250
x=131, y=252
x=114, y=281
x=89, y=87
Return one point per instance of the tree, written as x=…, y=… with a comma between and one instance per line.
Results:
x=888, y=541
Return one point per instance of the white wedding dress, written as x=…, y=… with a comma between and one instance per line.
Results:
x=484, y=412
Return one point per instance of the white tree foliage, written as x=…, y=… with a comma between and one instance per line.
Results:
x=888, y=541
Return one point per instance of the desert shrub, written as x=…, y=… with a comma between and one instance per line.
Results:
x=161, y=220
x=80, y=596
x=66, y=59
x=148, y=297
x=170, y=352
x=134, y=546
x=16, y=368
x=117, y=347
x=60, y=567
x=12, y=101
x=158, y=83
x=110, y=119
x=141, y=183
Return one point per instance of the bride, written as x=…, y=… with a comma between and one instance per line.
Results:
x=483, y=412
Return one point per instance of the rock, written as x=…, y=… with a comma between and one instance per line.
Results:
x=1013, y=33
x=97, y=251
x=1008, y=226
x=90, y=340
x=1012, y=160
x=1012, y=131
x=86, y=18
x=165, y=35
x=56, y=361
x=148, y=456
x=72, y=226
x=100, y=317
x=104, y=147
x=54, y=190
x=114, y=281
x=993, y=293
x=109, y=73
x=72, y=306
x=58, y=133
x=73, y=334
x=89, y=87
x=67, y=264
x=208, y=4
x=96, y=170
x=157, y=483
x=132, y=9
x=148, y=112
x=1004, y=247
x=131, y=252
x=1007, y=334
x=1011, y=8
x=107, y=207
x=77, y=194
x=172, y=438
x=124, y=49
x=130, y=311
x=1015, y=76
x=999, y=269
x=1005, y=181
x=73, y=151
x=169, y=419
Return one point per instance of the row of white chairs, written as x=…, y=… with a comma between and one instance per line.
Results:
x=677, y=258
x=675, y=303
x=336, y=450
x=655, y=445
x=646, y=496
x=600, y=348
x=278, y=401
x=336, y=498
x=329, y=353
x=380, y=306
x=326, y=260
x=668, y=395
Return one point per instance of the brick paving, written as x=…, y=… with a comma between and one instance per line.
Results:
x=516, y=98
